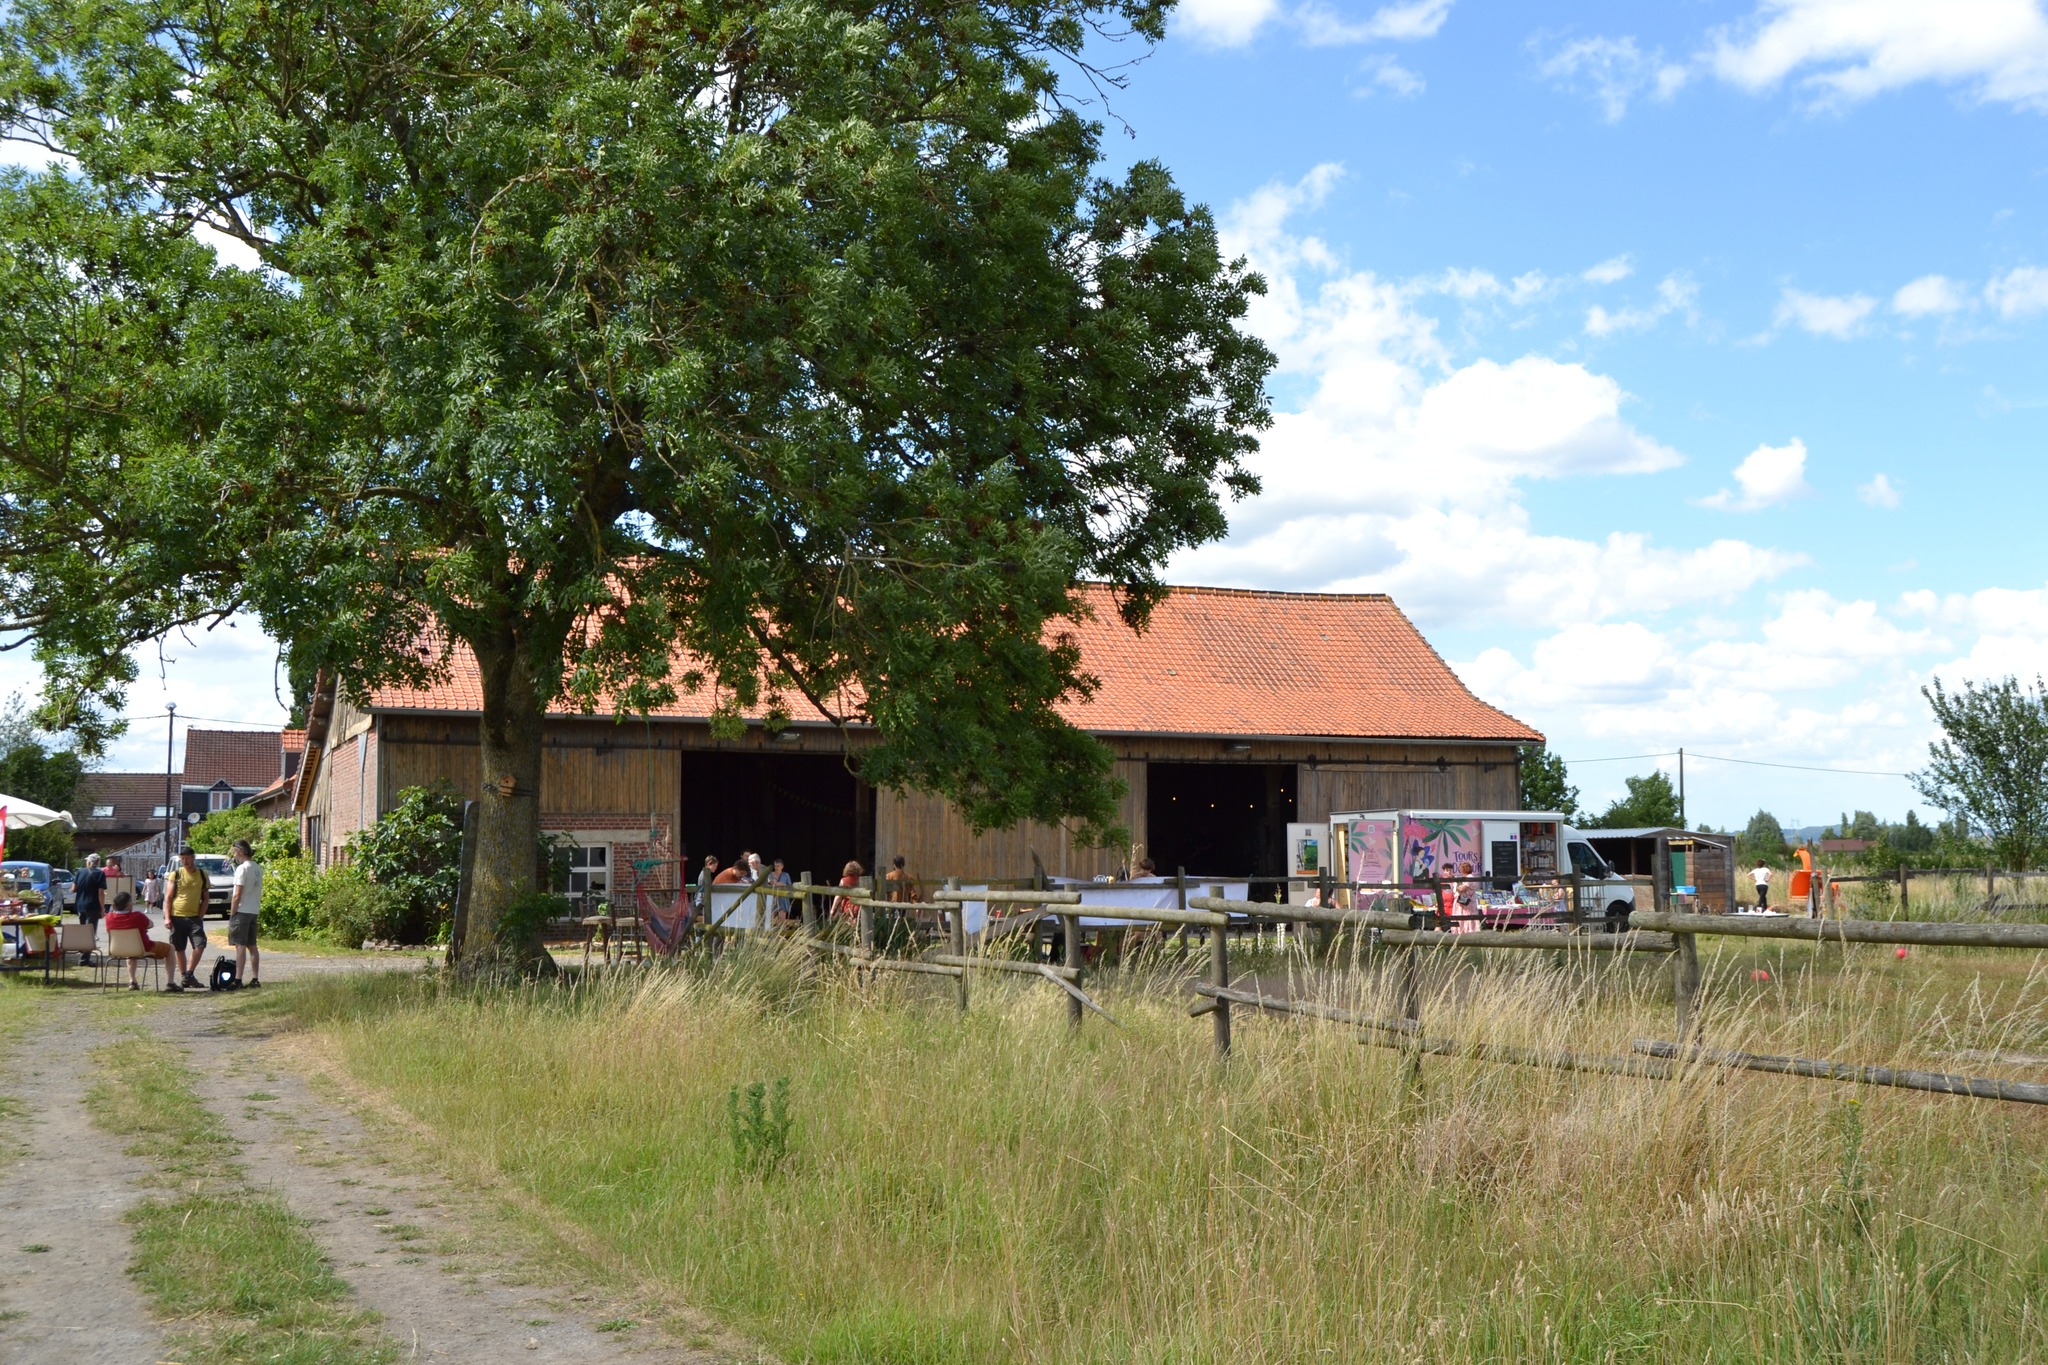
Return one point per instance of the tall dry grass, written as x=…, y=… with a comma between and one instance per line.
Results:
x=994, y=1187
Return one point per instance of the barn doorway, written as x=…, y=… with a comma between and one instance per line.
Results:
x=805, y=809
x=1219, y=819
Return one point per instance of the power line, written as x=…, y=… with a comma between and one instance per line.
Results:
x=1747, y=762
x=1800, y=767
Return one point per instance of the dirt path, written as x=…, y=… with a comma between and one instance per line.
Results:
x=64, y=1190
x=434, y=1260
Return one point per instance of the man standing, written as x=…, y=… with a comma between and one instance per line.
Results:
x=705, y=877
x=1761, y=876
x=92, y=889
x=185, y=904
x=242, y=911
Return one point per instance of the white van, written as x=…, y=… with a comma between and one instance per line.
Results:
x=1414, y=848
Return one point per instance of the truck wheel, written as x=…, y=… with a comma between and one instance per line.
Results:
x=1617, y=916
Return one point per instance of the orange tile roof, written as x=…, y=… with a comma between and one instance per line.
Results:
x=292, y=741
x=1213, y=661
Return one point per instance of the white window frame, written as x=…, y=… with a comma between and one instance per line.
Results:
x=585, y=879
x=102, y=812
x=220, y=800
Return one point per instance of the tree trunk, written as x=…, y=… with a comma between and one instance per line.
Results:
x=508, y=818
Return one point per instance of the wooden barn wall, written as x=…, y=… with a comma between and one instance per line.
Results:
x=936, y=842
x=1468, y=782
x=588, y=768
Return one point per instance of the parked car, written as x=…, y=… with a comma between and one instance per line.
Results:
x=220, y=881
x=64, y=889
x=34, y=877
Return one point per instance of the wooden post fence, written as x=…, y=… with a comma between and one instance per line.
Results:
x=957, y=914
x=1219, y=976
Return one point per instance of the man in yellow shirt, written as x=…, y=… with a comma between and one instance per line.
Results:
x=185, y=904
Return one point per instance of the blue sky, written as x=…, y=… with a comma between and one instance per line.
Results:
x=1677, y=367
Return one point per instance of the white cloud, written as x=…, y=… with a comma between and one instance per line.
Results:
x=1614, y=71
x=1767, y=476
x=1879, y=492
x=1233, y=23
x=1401, y=450
x=1390, y=75
x=1826, y=315
x=1675, y=293
x=1847, y=50
x=1226, y=23
x=2019, y=293
x=1930, y=294
x=1613, y=270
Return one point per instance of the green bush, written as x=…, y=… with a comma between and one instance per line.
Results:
x=223, y=827
x=291, y=896
x=351, y=909
x=414, y=852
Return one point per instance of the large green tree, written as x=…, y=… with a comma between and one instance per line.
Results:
x=1651, y=802
x=1544, y=783
x=805, y=336
x=1989, y=769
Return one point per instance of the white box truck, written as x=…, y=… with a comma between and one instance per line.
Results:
x=1481, y=852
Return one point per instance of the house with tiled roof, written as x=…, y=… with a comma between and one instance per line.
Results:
x=1234, y=714
x=115, y=810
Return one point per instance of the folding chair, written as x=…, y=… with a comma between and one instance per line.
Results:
x=126, y=945
x=82, y=939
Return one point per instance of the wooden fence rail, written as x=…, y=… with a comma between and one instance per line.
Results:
x=1921, y=932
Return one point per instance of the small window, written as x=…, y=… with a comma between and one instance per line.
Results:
x=102, y=812
x=160, y=812
x=589, y=870
x=220, y=800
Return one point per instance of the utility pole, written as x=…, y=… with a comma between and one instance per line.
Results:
x=170, y=803
x=1681, y=788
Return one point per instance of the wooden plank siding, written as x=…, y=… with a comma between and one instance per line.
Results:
x=598, y=774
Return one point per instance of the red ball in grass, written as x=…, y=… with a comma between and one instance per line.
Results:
x=1900, y=953
x=1759, y=975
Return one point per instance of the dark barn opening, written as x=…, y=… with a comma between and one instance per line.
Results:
x=1219, y=819
x=805, y=809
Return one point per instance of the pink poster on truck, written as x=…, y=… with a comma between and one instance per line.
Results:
x=1440, y=848
x=1370, y=844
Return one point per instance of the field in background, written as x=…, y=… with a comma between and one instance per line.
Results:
x=993, y=1187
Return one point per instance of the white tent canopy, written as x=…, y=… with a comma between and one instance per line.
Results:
x=27, y=814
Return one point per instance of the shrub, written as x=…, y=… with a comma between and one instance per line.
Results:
x=351, y=909
x=223, y=827
x=414, y=851
x=291, y=896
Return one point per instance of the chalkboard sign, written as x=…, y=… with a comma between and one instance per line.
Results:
x=1506, y=863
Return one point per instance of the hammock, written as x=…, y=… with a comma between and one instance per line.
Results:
x=666, y=925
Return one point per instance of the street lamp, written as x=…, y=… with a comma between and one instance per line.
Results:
x=170, y=804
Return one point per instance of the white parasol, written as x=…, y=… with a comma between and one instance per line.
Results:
x=27, y=814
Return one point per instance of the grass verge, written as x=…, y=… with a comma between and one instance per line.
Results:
x=234, y=1269
x=994, y=1187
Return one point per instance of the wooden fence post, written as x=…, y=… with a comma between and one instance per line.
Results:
x=1685, y=983
x=1219, y=973
x=958, y=913
x=1903, y=874
x=810, y=908
x=1990, y=885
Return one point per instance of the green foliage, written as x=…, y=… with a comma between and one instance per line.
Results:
x=759, y=1125
x=352, y=910
x=291, y=897
x=1542, y=780
x=529, y=913
x=1990, y=767
x=1763, y=837
x=1651, y=800
x=222, y=827
x=808, y=337
x=414, y=852
x=52, y=844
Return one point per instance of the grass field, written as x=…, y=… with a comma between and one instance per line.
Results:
x=992, y=1187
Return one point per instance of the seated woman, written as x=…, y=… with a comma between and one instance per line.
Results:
x=125, y=916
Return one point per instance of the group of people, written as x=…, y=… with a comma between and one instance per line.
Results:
x=182, y=895
x=750, y=870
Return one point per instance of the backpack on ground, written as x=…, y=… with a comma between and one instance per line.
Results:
x=224, y=977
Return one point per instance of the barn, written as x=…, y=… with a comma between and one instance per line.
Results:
x=1234, y=714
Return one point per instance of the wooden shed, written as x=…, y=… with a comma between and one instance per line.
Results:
x=1233, y=714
